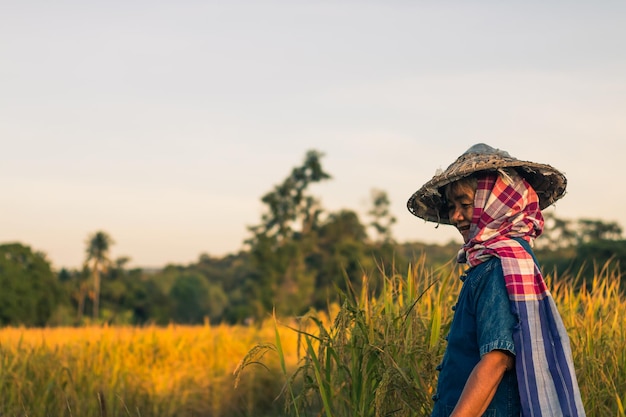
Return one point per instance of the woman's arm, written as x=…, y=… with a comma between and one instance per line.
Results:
x=482, y=383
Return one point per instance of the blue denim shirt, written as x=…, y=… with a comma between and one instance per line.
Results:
x=482, y=322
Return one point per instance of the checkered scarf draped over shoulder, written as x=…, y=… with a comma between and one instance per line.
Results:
x=506, y=207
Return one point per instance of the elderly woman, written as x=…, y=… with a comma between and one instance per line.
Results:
x=508, y=353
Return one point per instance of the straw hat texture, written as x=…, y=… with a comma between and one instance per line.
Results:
x=428, y=203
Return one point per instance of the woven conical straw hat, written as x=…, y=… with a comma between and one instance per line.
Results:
x=427, y=202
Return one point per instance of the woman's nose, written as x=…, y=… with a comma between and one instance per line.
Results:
x=457, y=215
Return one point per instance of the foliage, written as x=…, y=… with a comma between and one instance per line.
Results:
x=299, y=253
x=30, y=291
x=98, y=245
x=297, y=257
x=562, y=233
x=579, y=247
x=382, y=219
x=296, y=253
x=280, y=243
x=289, y=204
x=609, y=254
x=194, y=300
x=127, y=297
x=594, y=230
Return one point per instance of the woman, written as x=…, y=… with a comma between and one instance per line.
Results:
x=508, y=353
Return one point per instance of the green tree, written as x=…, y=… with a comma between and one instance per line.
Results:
x=342, y=256
x=289, y=204
x=580, y=247
x=98, y=246
x=147, y=301
x=231, y=278
x=190, y=299
x=382, y=219
x=73, y=289
x=118, y=290
x=593, y=230
x=30, y=290
x=280, y=243
x=563, y=233
x=557, y=234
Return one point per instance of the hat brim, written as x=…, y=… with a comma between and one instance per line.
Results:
x=428, y=202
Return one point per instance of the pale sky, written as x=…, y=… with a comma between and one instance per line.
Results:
x=164, y=122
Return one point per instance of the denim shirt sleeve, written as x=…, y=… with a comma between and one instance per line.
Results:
x=494, y=320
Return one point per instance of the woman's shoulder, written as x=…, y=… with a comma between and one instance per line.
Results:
x=476, y=274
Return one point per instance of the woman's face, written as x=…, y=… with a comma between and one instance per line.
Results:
x=460, y=200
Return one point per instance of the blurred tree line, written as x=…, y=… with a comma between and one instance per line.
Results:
x=299, y=257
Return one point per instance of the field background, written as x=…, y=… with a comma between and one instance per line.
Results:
x=189, y=370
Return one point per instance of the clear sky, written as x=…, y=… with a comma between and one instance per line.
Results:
x=164, y=122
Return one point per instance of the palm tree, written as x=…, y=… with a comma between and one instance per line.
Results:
x=98, y=257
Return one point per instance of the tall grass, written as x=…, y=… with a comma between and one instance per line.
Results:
x=371, y=356
x=595, y=317
x=378, y=357
x=124, y=371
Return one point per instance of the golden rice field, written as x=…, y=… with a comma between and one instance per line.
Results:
x=375, y=357
x=125, y=371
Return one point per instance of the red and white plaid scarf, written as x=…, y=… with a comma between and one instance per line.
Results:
x=507, y=208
